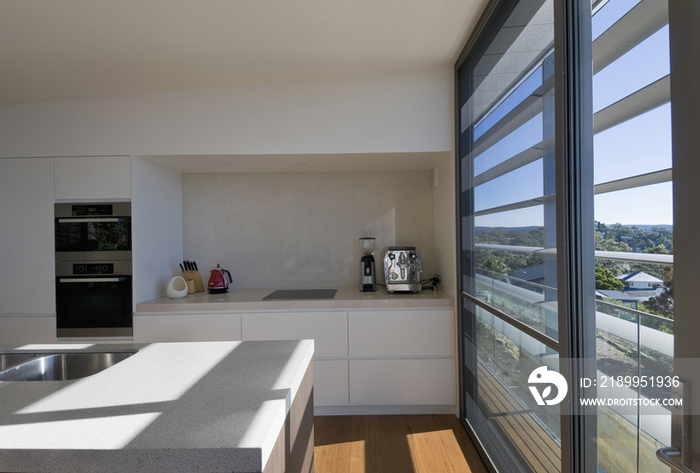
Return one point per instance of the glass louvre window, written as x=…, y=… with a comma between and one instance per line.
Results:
x=508, y=237
x=634, y=221
x=608, y=163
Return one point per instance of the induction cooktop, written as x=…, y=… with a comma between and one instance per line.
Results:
x=296, y=294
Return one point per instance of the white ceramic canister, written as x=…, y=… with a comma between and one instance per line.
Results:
x=177, y=288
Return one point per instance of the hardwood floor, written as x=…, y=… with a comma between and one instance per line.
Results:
x=393, y=444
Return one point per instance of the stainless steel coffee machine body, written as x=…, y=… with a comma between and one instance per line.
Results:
x=402, y=269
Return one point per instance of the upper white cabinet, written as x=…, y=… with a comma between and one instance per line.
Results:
x=93, y=178
x=27, y=284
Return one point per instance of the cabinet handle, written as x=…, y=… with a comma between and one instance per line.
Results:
x=92, y=280
x=90, y=220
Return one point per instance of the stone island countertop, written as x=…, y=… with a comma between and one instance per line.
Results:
x=175, y=407
x=252, y=299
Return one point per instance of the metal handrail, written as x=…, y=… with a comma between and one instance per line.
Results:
x=668, y=456
x=650, y=258
x=532, y=332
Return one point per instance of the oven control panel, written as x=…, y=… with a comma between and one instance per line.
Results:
x=86, y=209
x=93, y=268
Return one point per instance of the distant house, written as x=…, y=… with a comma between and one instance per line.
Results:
x=640, y=281
x=531, y=274
x=644, y=295
x=625, y=299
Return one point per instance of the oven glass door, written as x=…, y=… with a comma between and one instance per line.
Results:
x=89, y=302
x=93, y=234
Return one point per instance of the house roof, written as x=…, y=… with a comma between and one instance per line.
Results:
x=531, y=273
x=641, y=276
x=617, y=295
x=70, y=49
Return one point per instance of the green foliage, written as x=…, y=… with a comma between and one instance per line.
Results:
x=501, y=236
x=638, y=239
x=605, y=280
x=506, y=262
x=663, y=303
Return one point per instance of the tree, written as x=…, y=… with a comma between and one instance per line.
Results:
x=607, y=244
x=605, y=280
x=496, y=264
x=663, y=304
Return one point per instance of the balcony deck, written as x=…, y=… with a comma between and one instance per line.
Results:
x=528, y=438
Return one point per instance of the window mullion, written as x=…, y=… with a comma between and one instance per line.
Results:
x=574, y=158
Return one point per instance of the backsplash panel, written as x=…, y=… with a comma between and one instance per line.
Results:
x=301, y=230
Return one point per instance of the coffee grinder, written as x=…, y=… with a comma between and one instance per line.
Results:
x=368, y=278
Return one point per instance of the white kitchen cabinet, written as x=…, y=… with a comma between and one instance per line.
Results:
x=331, y=383
x=26, y=329
x=327, y=329
x=365, y=360
x=93, y=178
x=402, y=382
x=330, y=335
x=402, y=357
x=194, y=327
x=27, y=268
x=382, y=333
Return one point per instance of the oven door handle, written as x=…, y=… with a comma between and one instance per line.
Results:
x=92, y=280
x=91, y=220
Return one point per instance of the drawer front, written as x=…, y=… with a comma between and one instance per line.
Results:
x=402, y=382
x=187, y=328
x=331, y=383
x=402, y=333
x=328, y=329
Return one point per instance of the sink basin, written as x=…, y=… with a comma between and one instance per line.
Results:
x=11, y=359
x=62, y=366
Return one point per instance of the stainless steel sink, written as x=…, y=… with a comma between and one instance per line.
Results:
x=62, y=366
x=11, y=359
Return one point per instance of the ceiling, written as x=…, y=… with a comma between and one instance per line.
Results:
x=57, y=50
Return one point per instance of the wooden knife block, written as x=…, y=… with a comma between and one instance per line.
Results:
x=194, y=281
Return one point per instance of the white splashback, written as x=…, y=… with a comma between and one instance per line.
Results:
x=301, y=229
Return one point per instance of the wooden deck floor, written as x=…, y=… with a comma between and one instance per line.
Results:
x=394, y=444
x=528, y=438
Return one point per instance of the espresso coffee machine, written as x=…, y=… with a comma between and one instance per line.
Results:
x=402, y=269
x=368, y=277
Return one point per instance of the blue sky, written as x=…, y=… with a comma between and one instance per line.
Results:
x=636, y=147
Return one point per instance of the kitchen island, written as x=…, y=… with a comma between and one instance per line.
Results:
x=170, y=407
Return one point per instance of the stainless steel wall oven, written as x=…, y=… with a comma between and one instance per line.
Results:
x=93, y=269
x=93, y=231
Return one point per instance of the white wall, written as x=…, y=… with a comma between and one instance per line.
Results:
x=392, y=112
x=156, y=227
x=445, y=225
x=403, y=111
x=302, y=229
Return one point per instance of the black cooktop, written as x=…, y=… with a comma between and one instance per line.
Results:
x=295, y=294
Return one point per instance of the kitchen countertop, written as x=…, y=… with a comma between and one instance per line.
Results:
x=206, y=406
x=251, y=299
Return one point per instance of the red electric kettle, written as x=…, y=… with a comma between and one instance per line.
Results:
x=219, y=280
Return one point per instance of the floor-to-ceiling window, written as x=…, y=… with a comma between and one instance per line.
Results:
x=633, y=226
x=508, y=259
x=514, y=188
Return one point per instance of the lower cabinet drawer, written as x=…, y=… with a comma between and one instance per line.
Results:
x=330, y=383
x=187, y=328
x=402, y=382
